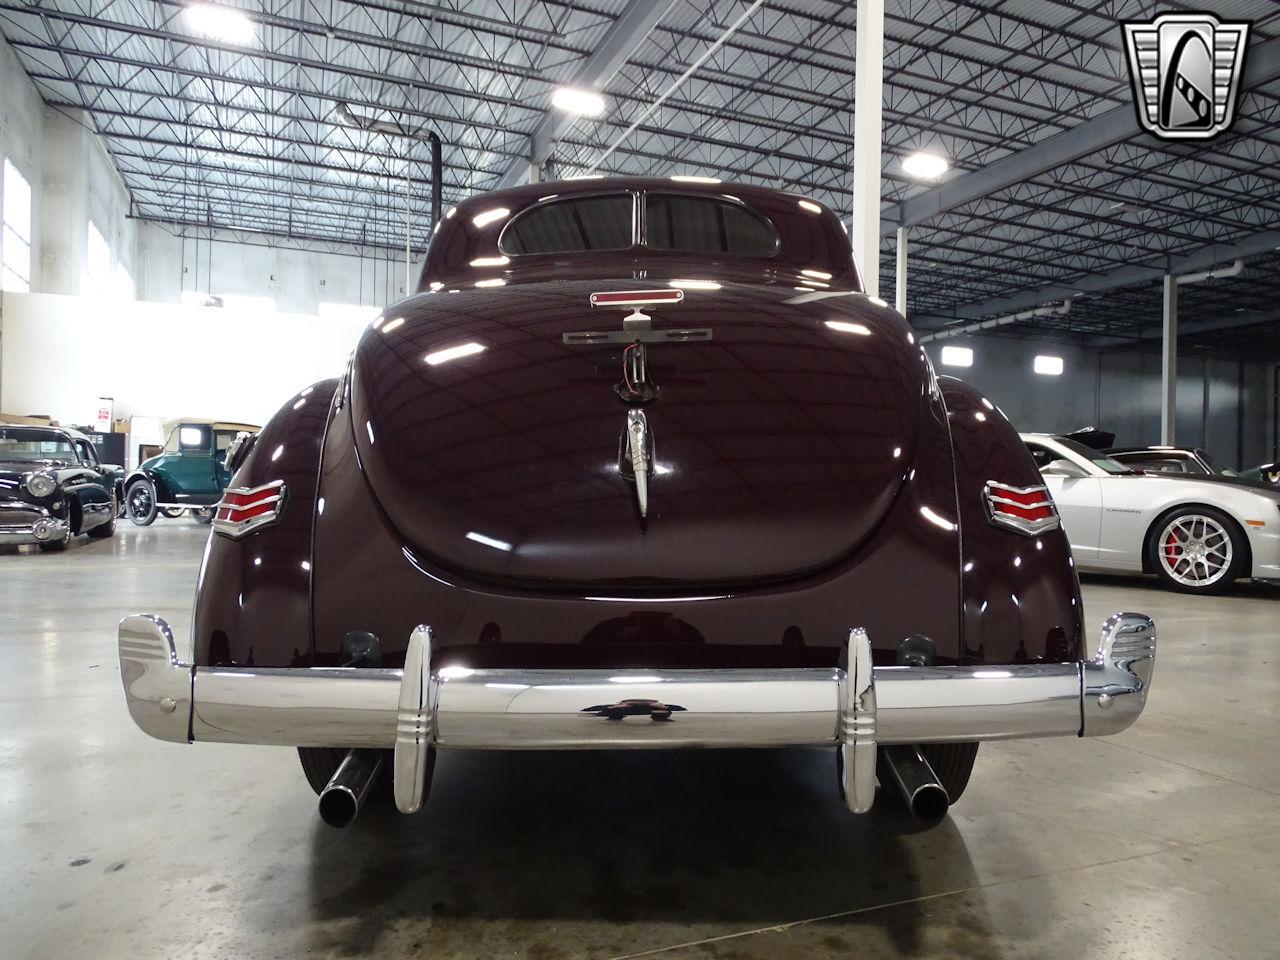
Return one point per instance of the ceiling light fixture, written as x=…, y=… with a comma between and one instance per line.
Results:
x=220, y=23
x=585, y=103
x=925, y=166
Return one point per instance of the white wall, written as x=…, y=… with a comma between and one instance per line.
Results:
x=161, y=360
x=298, y=280
x=21, y=139
x=80, y=184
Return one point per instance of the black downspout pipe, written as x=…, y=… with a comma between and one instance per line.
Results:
x=437, y=179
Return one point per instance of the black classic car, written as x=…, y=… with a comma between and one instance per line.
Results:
x=53, y=488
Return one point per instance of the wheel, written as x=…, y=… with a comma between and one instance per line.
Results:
x=173, y=513
x=319, y=764
x=203, y=514
x=140, y=502
x=1196, y=550
x=103, y=530
x=953, y=763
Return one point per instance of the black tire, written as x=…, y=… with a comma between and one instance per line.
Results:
x=953, y=763
x=173, y=513
x=203, y=514
x=1195, y=518
x=104, y=530
x=140, y=503
x=319, y=764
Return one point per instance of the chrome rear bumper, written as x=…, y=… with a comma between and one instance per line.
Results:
x=415, y=709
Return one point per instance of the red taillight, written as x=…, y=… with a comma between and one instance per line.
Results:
x=1027, y=510
x=246, y=509
x=636, y=298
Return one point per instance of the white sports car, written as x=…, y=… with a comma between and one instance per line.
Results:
x=1196, y=534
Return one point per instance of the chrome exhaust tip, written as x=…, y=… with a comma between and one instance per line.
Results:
x=924, y=794
x=344, y=795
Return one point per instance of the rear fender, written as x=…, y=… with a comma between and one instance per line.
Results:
x=260, y=586
x=1020, y=595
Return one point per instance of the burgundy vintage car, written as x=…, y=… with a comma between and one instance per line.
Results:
x=637, y=449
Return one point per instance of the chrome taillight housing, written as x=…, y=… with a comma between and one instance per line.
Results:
x=1026, y=510
x=246, y=509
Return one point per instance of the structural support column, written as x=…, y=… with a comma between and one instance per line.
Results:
x=900, y=275
x=868, y=81
x=1169, y=362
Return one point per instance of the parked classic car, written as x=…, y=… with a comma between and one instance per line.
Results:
x=636, y=442
x=53, y=488
x=190, y=474
x=1193, y=461
x=1196, y=533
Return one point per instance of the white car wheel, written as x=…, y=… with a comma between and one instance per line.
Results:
x=1195, y=550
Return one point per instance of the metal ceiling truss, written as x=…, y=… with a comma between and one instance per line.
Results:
x=1053, y=188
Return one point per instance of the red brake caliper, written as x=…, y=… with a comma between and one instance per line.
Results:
x=1170, y=546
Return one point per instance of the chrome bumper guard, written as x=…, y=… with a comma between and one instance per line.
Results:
x=415, y=709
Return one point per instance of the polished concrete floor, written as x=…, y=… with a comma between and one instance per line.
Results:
x=1158, y=843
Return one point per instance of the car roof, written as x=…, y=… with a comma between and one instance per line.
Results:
x=216, y=424
x=1157, y=449
x=70, y=432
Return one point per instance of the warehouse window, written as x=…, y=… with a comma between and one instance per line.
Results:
x=571, y=226
x=15, y=243
x=706, y=225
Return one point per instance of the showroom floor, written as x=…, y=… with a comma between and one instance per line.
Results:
x=1161, y=842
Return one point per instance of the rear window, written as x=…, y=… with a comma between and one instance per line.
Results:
x=574, y=225
x=706, y=225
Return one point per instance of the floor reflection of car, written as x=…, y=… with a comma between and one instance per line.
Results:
x=53, y=488
x=189, y=474
x=1196, y=533
x=1192, y=461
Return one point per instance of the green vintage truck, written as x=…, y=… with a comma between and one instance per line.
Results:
x=190, y=473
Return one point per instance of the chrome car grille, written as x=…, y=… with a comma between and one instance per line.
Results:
x=11, y=515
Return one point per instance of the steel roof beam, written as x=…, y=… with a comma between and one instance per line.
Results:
x=1188, y=328
x=1201, y=258
x=1262, y=65
x=635, y=23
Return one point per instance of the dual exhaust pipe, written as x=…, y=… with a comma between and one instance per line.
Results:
x=345, y=794
x=910, y=772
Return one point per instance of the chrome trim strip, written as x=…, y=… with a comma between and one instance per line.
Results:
x=992, y=498
x=582, y=709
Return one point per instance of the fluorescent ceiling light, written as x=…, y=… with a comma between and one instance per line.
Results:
x=693, y=284
x=488, y=541
x=453, y=353
x=490, y=262
x=925, y=166
x=957, y=357
x=845, y=327
x=488, y=216
x=585, y=103
x=1048, y=364
x=220, y=23
x=687, y=179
